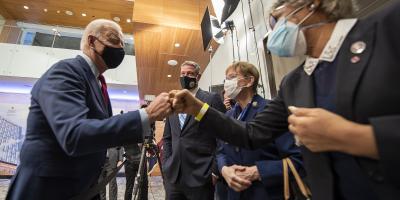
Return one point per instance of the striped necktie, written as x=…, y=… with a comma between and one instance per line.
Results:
x=182, y=118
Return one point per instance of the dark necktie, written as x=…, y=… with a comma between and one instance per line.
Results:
x=104, y=89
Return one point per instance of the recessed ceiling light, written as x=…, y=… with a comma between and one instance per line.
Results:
x=177, y=45
x=169, y=75
x=117, y=19
x=45, y=10
x=58, y=11
x=68, y=12
x=128, y=20
x=26, y=7
x=172, y=62
x=83, y=14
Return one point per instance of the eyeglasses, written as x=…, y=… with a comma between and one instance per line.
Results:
x=278, y=12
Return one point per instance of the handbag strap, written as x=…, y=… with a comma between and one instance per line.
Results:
x=303, y=187
x=286, y=191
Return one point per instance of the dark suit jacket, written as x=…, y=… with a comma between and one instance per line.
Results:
x=267, y=159
x=189, y=153
x=367, y=92
x=68, y=132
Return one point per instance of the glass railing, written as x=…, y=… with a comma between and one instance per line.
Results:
x=49, y=36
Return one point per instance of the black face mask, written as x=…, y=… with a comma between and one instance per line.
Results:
x=112, y=56
x=188, y=82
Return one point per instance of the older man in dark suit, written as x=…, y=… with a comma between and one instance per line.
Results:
x=188, y=152
x=70, y=123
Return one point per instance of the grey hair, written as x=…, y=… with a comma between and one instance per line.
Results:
x=193, y=64
x=334, y=9
x=96, y=28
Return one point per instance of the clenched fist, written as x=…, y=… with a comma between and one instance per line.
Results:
x=159, y=108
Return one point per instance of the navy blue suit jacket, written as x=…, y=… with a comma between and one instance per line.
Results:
x=68, y=132
x=267, y=159
x=189, y=153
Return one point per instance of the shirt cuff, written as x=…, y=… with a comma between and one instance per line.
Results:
x=145, y=121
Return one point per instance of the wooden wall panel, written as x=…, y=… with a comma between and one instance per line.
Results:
x=93, y=8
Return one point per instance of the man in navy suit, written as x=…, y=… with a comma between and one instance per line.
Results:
x=188, y=157
x=70, y=124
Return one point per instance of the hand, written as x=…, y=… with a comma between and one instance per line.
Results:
x=159, y=108
x=119, y=163
x=184, y=102
x=234, y=181
x=320, y=130
x=227, y=103
x=250, y=173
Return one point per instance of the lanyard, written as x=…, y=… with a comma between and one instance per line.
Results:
x=244, y=112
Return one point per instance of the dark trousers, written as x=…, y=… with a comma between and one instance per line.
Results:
x=131, y=168
x=112, y=185
x=181, y=192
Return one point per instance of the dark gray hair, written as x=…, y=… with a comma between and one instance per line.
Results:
x=334, y=9
x=193, y=64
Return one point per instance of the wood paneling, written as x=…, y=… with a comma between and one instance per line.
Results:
x=158, y=25
x=154, y=47
x=13, y=9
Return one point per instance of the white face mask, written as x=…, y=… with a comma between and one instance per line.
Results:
x=231, y=88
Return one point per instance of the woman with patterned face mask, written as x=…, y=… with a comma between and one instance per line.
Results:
x=342, y=103
x=263, y=167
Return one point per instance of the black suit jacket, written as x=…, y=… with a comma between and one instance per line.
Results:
x=367, y=92
x=189, y=153
x=68, y=132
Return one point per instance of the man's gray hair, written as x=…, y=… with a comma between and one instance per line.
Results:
x=334, y=9
x=96, y=27
x=193, y=64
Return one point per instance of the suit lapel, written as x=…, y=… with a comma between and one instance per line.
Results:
x=349, y=71
x=189, y=118
x=94, y=85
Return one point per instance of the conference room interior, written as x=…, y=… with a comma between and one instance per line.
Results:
x=159, y=35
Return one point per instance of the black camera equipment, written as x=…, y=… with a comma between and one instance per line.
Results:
x=150, y=147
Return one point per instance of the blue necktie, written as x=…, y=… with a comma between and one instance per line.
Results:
x=182, y=118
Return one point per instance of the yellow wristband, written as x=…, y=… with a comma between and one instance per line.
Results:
x=203, y=111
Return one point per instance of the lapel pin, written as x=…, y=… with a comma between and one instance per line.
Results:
x=355, y=59
x=358, y=47
x=255, y=104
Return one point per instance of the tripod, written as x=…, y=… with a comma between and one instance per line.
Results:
x=150, y=147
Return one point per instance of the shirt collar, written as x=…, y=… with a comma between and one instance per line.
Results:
x=195, y=90
x=91, y=64
x=331, y=49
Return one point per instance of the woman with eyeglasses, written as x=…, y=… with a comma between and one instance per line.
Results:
x=263, y=166
x=342, y=103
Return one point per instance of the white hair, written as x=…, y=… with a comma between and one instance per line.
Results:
x=334, y=9
x=96, y=27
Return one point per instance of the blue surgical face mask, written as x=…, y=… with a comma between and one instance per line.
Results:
x=286, y=39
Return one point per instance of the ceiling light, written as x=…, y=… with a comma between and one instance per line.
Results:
x=177, y=45
x=83, y=14
x=58, y=11
x=45, y=10
x=26, y=7
x=117, y=19
x=68, y=12
x=169, y=75
x=128, y=20
x=172, y=62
